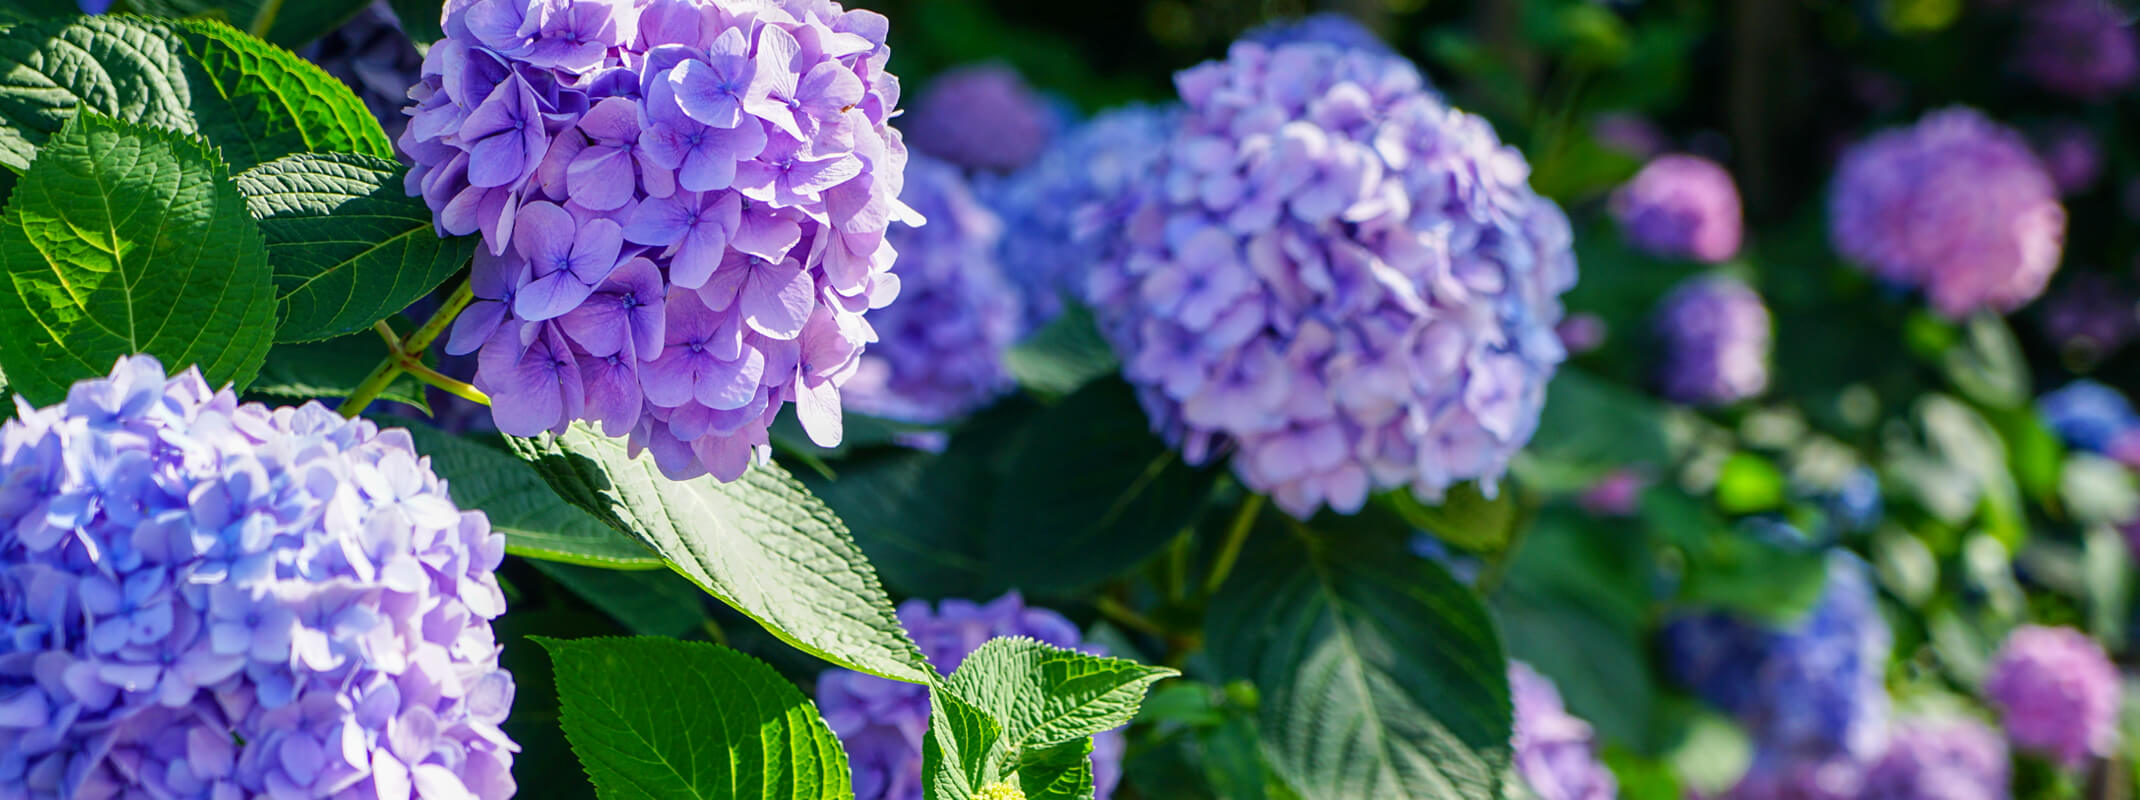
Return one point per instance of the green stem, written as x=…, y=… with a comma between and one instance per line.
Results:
x=1229, y=552
x=264, y=19
x=451, y=386
x=409, y=353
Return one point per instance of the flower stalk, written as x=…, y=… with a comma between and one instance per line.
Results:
x=407, y=355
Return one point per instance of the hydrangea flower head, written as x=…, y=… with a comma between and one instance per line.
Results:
x=1555, y=752
x=683, y=205
x=2088, y=415
x=2057, y=693
x=1069, y=205
x=2073, y=157
x=1330, y=28
x=2079, y=48
x=1808, y=692
x=1337, y=279
x=982, y=117
x=1940, y=758
x=940, y=349
x=1681, y=206
x=208, y=599
x=1956, y=205
x=1716, y=335
x=881, y=722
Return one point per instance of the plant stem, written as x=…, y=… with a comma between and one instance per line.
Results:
x=1229, y=552
x=264, y=19
x=407, y=356
x=1127, y=617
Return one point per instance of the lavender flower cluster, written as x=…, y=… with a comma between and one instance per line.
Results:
x=1717, y=338
x=1940, y=758
x=684, y=205
x=881, y=722
x=207, y=599
x=1327, y=28
x=2057, y=693
x=982, y=117
x=940, y=348
x=2079, y=48
x=1068, y=205
x=1555, y=752
x=1809, y=693
x=1681, y=206
x=1338, y=279
x=1956, y=205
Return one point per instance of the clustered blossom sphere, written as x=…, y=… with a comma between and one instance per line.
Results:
x=1956, y=205
x=208, y=599
x=981, y=117
x=1940, y=758
x=1808, y=692
x=1069, y=206
x=683, y=206
x=1337, y=278
x=881, y=722
x=1681, y=206
x=2080, y=48
x=940, y=349
x=2057, y=693
x=1555, y=752
x=1716, y=335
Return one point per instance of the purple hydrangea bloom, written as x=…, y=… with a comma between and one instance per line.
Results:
x=208, y=599
x=1327, y=28
x=982, y=117
x=2079, y=48
x=881, y=722
x=2072, y=156
x=1716, y=336
x=1338, y=279
x=1070, y=204
x=2091, y=316
x=1555, y=752
x=378, y=61
x=1809, y=692
x=1957, y=206
x=1681, y=206
x=940, y=348
x=2088, y=415
x=1940, y=758
x=2057, y=693
x=718, y=174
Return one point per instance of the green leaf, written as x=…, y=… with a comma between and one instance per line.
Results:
x=1058, y=772
x=1089, y=493
x=960, y=753
x=25, y=10
x=918, y=516
x=333, y=368
x=536, y=523
x=1590, y=426
x=1046, y=695
x=1466, y=517
x=650, y=602
x=127, y=239
x=1063, y=355
x=256, y=103
x=1381, y=676
x=349, y=247
x=419, y=19
x=1986, y=365
x=656, y=717
x=762, y=544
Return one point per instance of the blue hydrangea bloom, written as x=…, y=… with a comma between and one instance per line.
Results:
x=1716, y=335
x=683, y=205
x=1940, y=758
x=881, y=722
x=982, y=117
x=2088, y=415
x=1338, y=280
x=1807, y=692
x=1555, y=752
x=1068, y=206
x=940, y=349
x=205, y=599
x=1327, y=28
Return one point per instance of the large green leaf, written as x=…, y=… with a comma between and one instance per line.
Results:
x=349, y=247
x=1063, y=355
x=963, y=750
x=1381, y=676
x=654, y=717
x=535, y=522
x=254, y=102
x=918, y=515
x=124, y=239
x=1089, y=493
x=1047, y=695
x=761, y=544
